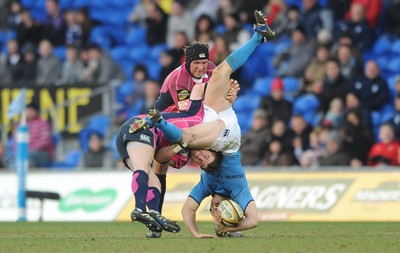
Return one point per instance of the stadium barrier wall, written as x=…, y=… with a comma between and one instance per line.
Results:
x=290, y=196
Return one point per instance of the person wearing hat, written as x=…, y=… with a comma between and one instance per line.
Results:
x=334, y=156
x=276, y=105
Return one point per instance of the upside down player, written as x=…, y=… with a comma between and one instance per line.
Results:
x=219, y=132
x=137, y=150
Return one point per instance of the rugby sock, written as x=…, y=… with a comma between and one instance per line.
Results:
x=237, y=58
x=170, y=131
x=153, y=199
x=163, y=181
x=139, y=185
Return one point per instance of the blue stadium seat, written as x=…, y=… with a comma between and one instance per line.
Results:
x=120, y=53
x=156, y=51
x=262, y=86
x=99, y=36
x=123, y=90
x=392, y=84
x=139, y=52
x=136, y=37
x=127, y=67
x=394, y=65
x=386, y=113
x=67, y=4
x=396, y=47
x=60, y=52
x=116, y=18
x=40, y=4
x=375, y=118
x=153, y=68
x=382, y=45
x=29, y=4
x=99, y=123
x=305, y=104
x=291, y=84
x=246, y=103
x=127, y=4
x=117, y=34
x=99, y=4
x=71, y=160
x=81, y=4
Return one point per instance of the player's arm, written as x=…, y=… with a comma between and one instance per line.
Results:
x=189, y=217
x=164, y=101
x=233, y=91
x=250, y=220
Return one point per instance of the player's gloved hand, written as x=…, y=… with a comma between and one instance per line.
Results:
x=233, y=91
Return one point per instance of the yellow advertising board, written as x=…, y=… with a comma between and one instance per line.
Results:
x=301, y=196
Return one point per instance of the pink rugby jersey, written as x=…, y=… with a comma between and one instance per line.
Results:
x=175, y=91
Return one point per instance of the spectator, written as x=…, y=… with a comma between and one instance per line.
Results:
x=386, y=152
x=133, y=94
x=2, y=160
x=293, y=60
x=357, y=139
x=273, y=9
x=310, y=157
x=314, y=18
x=334, y=156
x=98, y=156
x=41, y=149
x=29, y=65
x=276, y=105
x=72, y=67
x=140, y=12
x=347, y=39
x=371, y=88
x=395, y=120
x=11, y=63
x=181, y=41
x=315, y=71
x=287, y=21
x=349, y=66
x=151, y=92
x=353, y=103
x=334, y=85
x=28, y=31
x=324, y=38
x=234, y=34
x=15, y=16
x=299, y=133
x=156, y=23
x=54, y=26
x=205, y=25
x=85, y=23
x=339, y=8
x=334, y=115
x=276, y=155
x=101, y=69
x=225, y=7
x=219, y=51
x=180, y=20
x=358, y=27
x=73, y=33
x=372, y=9
x=49, y=66
x=254, y=141
x=279, y=132
x=392, y=19
x=167, y=63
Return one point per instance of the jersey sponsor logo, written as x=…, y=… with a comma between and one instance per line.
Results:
x=145, y=138
x=183, y=105
x=226, y=133
x=183, y=94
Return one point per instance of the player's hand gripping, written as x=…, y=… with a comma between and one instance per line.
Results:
x=218, y=223
x=233, y=91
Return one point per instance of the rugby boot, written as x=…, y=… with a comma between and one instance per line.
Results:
x=146, y=219
x=145, y=123
x=167, y=225
x=262, y=27
x=153, y=234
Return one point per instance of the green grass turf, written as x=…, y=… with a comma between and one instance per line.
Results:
x=267, y=237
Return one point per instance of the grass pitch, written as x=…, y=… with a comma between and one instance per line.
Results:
x=271, y=237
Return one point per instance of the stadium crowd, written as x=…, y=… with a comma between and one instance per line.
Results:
x=325, y=92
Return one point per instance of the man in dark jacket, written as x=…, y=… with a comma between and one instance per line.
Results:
x=371, y=88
